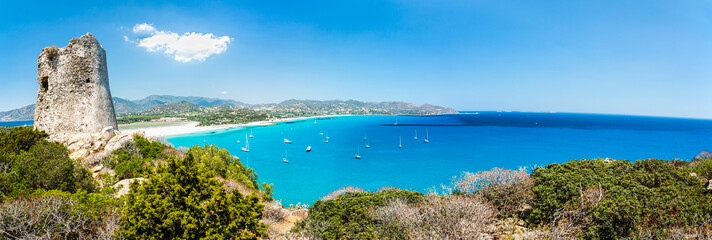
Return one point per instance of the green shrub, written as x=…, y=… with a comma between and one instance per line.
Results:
x=221, y=163
x=136, y=159
x=46, y=165
x=19, y=139
x=648, y=194
x=184, y=200
x=703, y=168
x=150, y=149
x=268, y=192
x=347, y=216
x=127, y=164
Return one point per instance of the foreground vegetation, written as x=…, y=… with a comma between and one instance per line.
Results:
x=586, y=199
x=47, y=195
x=206, y=193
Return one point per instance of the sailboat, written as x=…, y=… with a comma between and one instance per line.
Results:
x=365, y=137
x=396, y=123
x=416, y=135
x=326, y=140
x=400, y=142
x=251, y=136
x=247, y=145
x=358, y=154
x=426, y=136
x=367, y=146
x=284, y=160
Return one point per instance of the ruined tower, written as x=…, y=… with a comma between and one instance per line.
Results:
x=73, y=96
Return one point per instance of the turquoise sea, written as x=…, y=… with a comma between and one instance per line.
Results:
x=463, y=142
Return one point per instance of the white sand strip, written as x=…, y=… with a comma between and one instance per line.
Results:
x=164, y=129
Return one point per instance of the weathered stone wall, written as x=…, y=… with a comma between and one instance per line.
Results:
x=73, y=96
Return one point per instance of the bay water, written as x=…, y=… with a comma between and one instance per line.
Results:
x=462, y=142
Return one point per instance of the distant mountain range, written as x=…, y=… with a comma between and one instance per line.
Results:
x=122, y=106
x=21, y=114
x=159, y=104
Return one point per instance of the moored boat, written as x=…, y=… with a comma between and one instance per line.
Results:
x=246, y=148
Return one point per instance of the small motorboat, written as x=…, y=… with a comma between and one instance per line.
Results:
x=287, y=141
x=308, y=148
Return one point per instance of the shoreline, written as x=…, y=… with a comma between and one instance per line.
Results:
x=179, y=128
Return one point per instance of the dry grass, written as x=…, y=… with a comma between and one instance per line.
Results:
x=231, y=185
x=281, y=220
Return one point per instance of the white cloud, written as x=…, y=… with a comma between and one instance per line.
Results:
x=144, y=28
x=223, y=92
x=184, y=48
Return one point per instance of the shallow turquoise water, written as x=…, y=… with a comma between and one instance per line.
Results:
x=465, y=142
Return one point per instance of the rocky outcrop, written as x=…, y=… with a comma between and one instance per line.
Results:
x=95, y=147
x=73, y=96
x=122, y=187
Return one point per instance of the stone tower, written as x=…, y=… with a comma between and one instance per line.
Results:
x=73, y=96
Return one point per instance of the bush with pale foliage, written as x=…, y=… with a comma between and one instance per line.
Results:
x=438, y=217
x=341, y=191
x=508, y=190
x=58, y=215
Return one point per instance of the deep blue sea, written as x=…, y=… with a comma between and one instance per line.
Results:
x=16, y=123
x=463, y=142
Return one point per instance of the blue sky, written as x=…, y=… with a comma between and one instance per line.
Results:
x=621, y=57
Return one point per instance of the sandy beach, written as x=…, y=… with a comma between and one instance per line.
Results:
x=165, y=129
